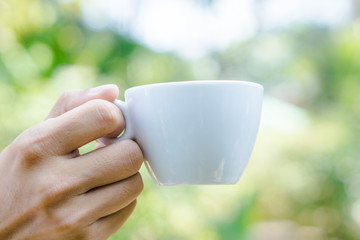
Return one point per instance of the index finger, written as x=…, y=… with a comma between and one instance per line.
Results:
x=77, y=127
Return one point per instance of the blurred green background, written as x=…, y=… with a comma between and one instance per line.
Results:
x=303, y=179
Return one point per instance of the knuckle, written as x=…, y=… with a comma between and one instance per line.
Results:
x=54, y=190
x=69, y=223
x=75, y=220
x=31, y=144
x=64, y=224
x=107, y=113
x=49, y=194
x=137, y=184
x=23, y=143
x=132, y=186
x=66, y=98
x=134, y=154
x=44, y=200
x=67, y=95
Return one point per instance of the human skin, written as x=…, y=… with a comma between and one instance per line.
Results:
x=49, y=191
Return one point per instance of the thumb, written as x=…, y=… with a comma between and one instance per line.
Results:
x=74, y=98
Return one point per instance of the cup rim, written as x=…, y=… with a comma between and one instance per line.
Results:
x=197, y=82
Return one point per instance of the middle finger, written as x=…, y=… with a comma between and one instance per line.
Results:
x=105, y=165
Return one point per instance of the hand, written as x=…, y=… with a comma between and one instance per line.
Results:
x=49, y=191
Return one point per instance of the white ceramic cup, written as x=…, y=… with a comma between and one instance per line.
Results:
x=193, y=133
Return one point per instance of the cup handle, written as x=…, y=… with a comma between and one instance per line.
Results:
x=128, y=132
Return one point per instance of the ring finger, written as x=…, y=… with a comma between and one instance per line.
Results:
x=106, y=200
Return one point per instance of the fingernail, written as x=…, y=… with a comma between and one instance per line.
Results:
x=98, y=89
